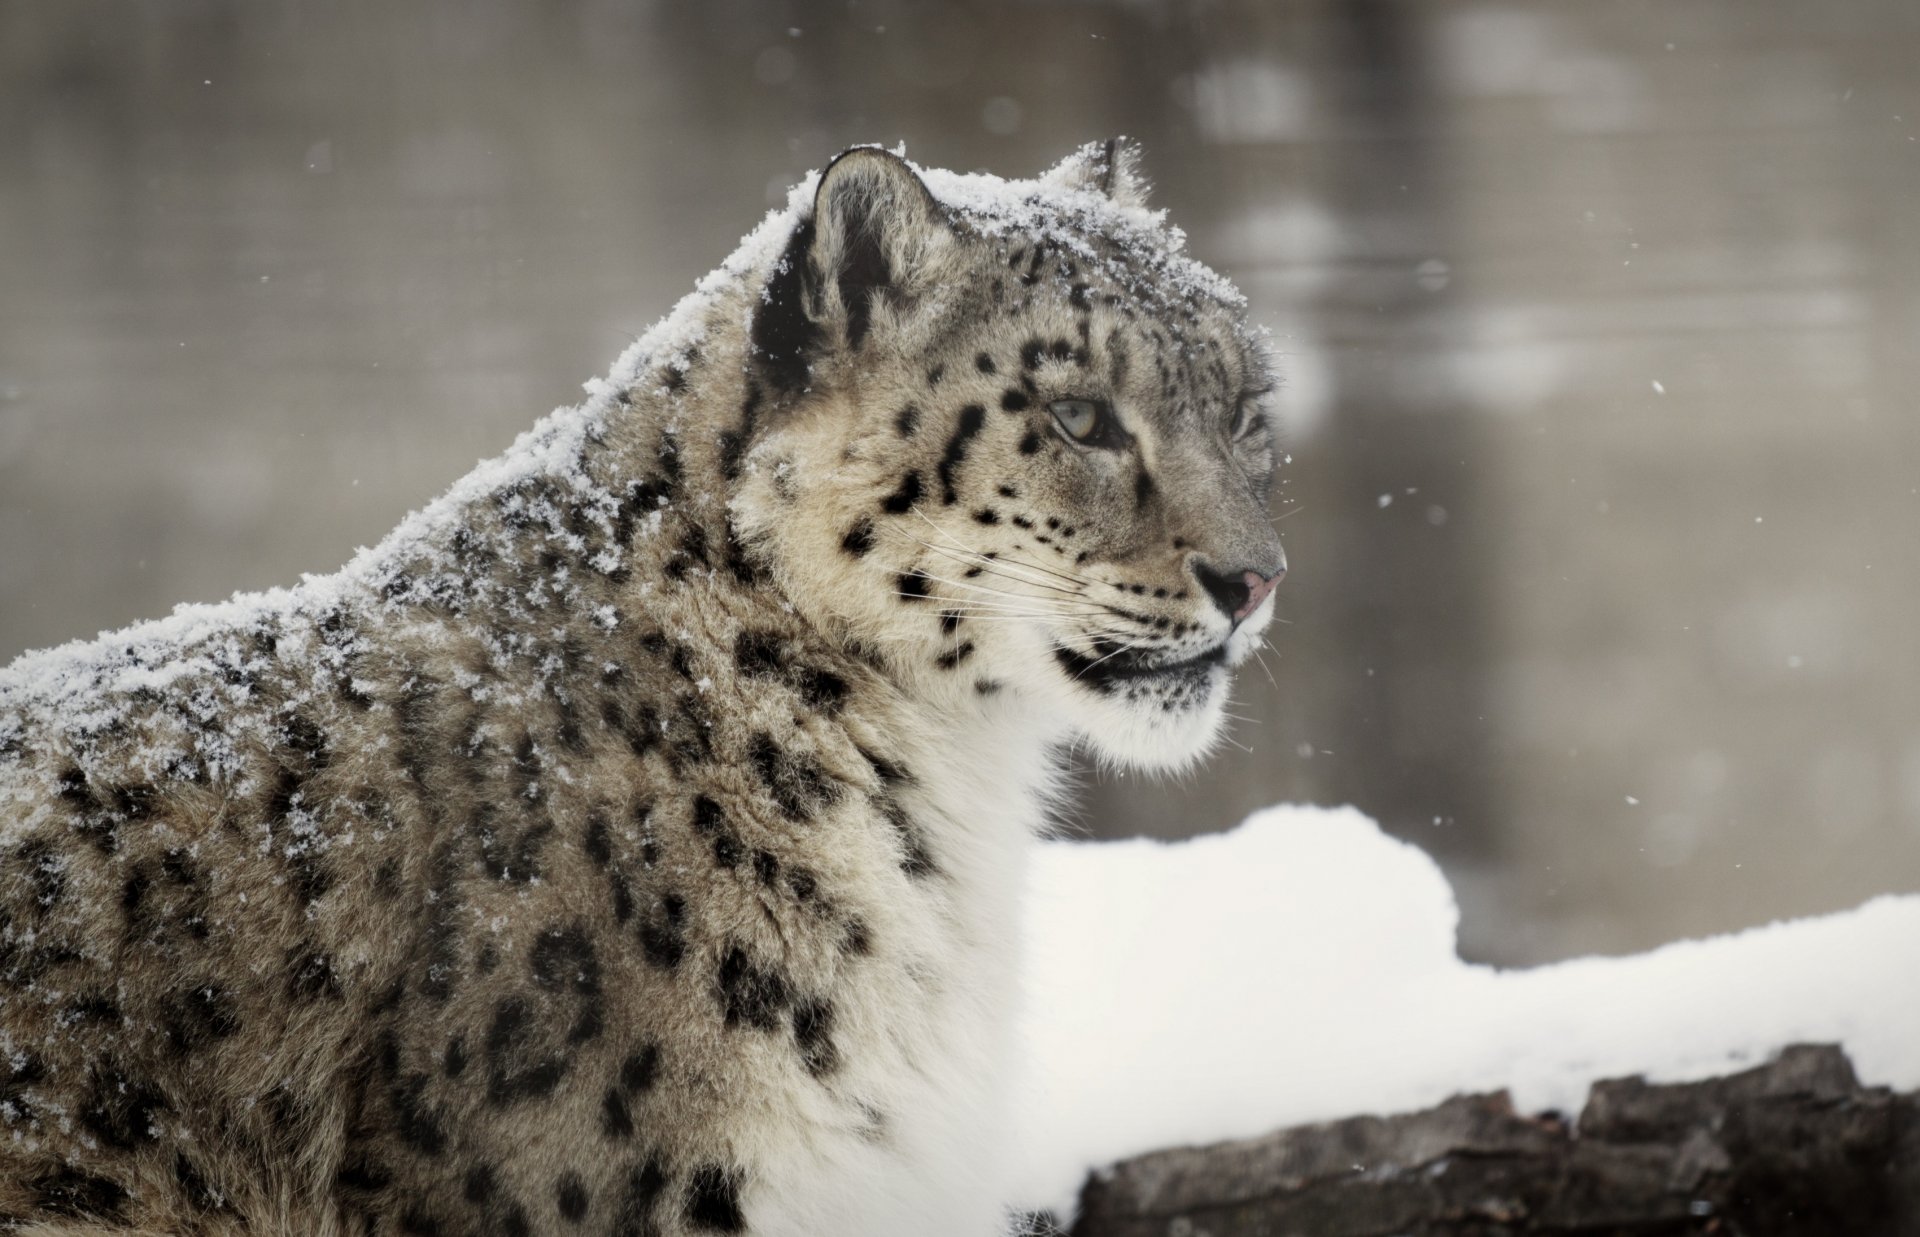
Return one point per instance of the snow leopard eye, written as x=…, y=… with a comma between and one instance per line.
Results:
x=1088, y=423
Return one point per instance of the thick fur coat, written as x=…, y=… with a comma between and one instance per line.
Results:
x=631, y=843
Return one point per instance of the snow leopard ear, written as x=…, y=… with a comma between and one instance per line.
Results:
x=1111, y=168
x=873, y=239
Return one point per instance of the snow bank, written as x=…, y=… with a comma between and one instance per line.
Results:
x=1302, y=968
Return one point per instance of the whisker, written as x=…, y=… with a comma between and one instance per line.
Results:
x=1125, y=647
x=992, y=564
x=1020, y=601
x=1031, y=565
x=969, y=550
x=966, y=610
x=1257, y=656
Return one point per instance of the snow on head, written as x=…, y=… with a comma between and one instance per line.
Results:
x=1302, y=968
x=77, y=677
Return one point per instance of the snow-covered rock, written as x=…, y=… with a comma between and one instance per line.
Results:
x=1302, y=967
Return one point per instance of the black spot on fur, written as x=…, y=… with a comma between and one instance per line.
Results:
x=1142, y=488
x=136, y=802
x=598, y=843
x=972, y=417
x=622, y=897
x=455, y=1059
x=479, y=1184
x=516, y=1070
x=858, y=539
x=563, y=960
x=748, y=994
x=742, y=564
x=813, y=1036
x=1030, y=445
x=907, y=421
x=640, y=1070
x=986, y=515
x=309, y=876
x=444, y=922
x=193, y=1184
x=915, y=859
x=301, y=735
x=362, y=1176
x=856, y=938
x=510, y=855
x=713, y=1200
x=198, y=1017
x=416, y=1221
x=733, y=443
x=901, y=500
x=417, y=1123
x=795, y=780
x=646, y=1182
x=92, y=1007
x=692, y=553
x=663, y=933
x=616, y=1120
x=983, y=363
x=74, y=791
x=67, y=1191
x=954, y=656
x=1034, y=261
x=1014, y=400
x=886, y=770
x=571, y=1197
x=46, y=872
x=913, y=585
x=784, y=337
x=669, y=456
x=310, y=975
x=122, y=1111
x=758, y=654
x=820, y=689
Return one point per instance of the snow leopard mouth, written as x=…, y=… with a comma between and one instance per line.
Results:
x=1113, y=667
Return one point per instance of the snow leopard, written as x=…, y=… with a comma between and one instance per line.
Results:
x=632, y=842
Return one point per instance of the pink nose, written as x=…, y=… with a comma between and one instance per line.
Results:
x=1258, y=587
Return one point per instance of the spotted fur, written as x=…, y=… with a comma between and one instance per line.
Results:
x=631, y=844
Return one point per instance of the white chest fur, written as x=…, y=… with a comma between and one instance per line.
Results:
x=913, y=1142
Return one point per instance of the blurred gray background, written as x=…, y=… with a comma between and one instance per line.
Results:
x=1600, y=326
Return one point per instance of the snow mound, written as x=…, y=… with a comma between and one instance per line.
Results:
x=1302, y=968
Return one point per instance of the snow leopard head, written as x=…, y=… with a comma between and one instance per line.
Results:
x=1017, y=444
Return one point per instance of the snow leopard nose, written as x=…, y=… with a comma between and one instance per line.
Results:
x=1239, y=593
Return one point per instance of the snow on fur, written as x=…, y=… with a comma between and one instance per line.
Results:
x=74, y=677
